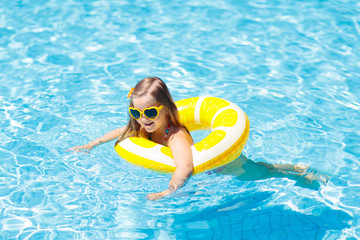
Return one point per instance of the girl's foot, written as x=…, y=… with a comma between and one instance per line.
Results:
x=312, y=174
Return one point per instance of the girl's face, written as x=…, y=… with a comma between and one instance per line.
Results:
x=150, y=125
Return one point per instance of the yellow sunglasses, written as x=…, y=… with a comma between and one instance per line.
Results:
x=150, y=113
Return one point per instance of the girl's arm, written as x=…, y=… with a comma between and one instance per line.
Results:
x=180, y=146
x=114, y=134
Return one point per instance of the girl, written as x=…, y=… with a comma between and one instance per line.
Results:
x=159, y=123
x=154, y=116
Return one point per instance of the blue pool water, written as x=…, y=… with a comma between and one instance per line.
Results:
x=67, y=66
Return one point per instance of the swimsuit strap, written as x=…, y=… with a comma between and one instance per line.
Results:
x=166, y=133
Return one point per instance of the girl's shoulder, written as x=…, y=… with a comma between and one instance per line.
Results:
x=179, y=132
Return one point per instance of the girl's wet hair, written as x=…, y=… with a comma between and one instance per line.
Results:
x=155, y=87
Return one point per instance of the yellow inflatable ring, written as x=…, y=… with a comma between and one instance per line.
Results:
x=229, y=131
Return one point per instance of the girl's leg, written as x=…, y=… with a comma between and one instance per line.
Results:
x=286, y=167
x=247, y=170
x=298, y=170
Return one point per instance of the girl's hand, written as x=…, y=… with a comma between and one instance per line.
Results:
x=84, y=148
x=116, y=133
x=175, y=183
x=156, y=196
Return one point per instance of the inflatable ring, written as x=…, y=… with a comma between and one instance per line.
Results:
x=229, y=131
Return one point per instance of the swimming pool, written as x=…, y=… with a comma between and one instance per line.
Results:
x=65, y=71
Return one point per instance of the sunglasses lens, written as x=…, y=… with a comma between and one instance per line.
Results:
x=135, y=113
x=151, y=113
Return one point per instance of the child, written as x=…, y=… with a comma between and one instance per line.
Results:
x=161, y=125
